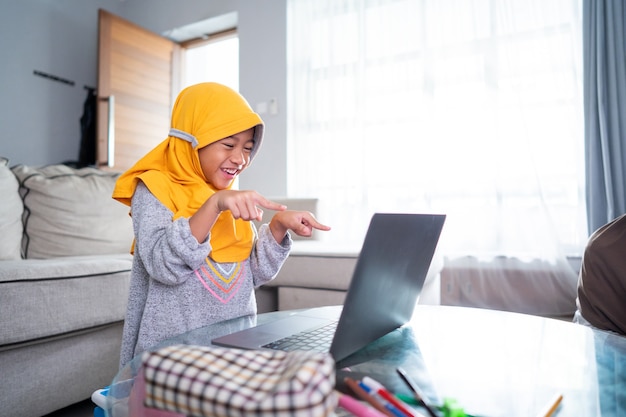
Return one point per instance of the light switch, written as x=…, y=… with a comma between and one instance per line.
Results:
x=273, y=106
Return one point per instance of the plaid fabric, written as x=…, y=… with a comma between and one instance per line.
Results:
x=220, y=382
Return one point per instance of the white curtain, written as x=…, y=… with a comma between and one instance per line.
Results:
x=472, y=108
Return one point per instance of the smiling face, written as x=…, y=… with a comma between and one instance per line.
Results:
x=223, y=160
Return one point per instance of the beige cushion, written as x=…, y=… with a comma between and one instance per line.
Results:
x=10, y=214
x=70, y=212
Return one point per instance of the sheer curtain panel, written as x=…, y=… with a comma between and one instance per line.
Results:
x=472, y=108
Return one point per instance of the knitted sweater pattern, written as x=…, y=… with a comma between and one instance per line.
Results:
x=175, y=287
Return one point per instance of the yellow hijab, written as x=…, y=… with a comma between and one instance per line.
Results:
x=203, y=113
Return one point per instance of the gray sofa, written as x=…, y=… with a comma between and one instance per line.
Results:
x=64, y=275
x=65, y=270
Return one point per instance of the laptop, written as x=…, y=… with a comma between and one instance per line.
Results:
x=387, y=280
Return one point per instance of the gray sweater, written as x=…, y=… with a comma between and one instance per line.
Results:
x=175, y=287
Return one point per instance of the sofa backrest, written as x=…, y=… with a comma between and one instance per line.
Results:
x=11, y=209
x=70, y=212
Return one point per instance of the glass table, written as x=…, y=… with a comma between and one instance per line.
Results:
x=493, y=363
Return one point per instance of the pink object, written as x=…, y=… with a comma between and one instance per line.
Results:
x=357, y=407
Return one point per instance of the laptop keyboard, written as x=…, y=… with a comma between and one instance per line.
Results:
x=316, y=340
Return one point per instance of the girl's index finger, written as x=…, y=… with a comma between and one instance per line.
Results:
x=320, y=226
x=315, y=224
x=272, y=205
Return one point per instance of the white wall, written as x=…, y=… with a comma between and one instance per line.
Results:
x=40, y=118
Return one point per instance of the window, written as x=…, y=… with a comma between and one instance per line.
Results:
x=215, y=58
x=471, y=108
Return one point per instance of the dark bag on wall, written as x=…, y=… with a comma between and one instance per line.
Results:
x=87, y=154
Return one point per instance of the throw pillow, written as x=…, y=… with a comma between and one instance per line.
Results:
x=10, y=214
x=70, y=212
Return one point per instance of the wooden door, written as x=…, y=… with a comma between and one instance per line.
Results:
x=137, y=75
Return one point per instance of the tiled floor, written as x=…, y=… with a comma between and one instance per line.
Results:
x=81, y=409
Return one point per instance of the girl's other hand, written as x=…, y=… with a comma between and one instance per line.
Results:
x=245, y=205
x=301, y=223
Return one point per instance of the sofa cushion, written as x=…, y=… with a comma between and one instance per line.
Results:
x=47, y=297
x=10, y=214
x=291, y=298
x=316, y=270
x=317, y=274
x=70, y=212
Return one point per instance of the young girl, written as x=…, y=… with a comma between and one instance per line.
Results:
x=197, y=255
